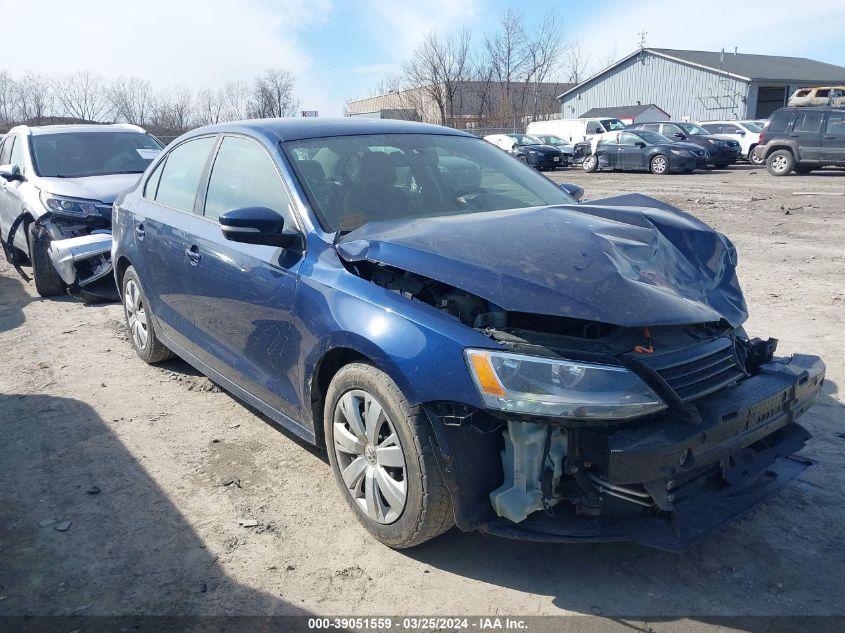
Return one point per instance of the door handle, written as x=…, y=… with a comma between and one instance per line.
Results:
x=193, y=254
x=139, y=231
x=829, y=138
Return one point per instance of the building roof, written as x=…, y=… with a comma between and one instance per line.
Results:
x=743, y=66
x=763, y=67
x=621, y=112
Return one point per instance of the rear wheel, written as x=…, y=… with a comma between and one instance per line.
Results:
x=139, y=320
x=659, y=165
x=524, y=159
x=755, y=156
x=591, y=163
x=48, y=283
x=780, y=163
x=381, y=452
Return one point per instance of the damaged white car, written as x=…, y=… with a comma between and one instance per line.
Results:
x=57, y=186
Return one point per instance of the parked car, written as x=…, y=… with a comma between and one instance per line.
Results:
x=803, y=139
x=529, y=149
x=57, y=185
x=575, y=130
x=484, y=352
x=555, y=141
x=721, y=152
x=746, y=133
x=640, y=150
x=820, y=96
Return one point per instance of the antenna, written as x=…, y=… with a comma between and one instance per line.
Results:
x=642, y=35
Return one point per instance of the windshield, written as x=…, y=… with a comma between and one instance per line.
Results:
x=694, y=130
x=78, y=154
x=611, y=125
x=353, y=180
x=653, y=138
x=524, y=139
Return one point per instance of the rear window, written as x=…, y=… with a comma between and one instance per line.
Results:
x=780, y=121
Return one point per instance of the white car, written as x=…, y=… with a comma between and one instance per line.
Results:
x=746, y=133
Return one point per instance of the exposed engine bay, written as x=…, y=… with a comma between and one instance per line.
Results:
x=715, y=432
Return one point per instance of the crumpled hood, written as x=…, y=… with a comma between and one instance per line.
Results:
x=102, y=188
x=629, y=260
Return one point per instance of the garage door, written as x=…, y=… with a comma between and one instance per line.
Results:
x=769, y=100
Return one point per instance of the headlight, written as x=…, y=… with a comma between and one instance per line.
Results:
x=718, y=143
x=558, y=387
x=533, y=152
x=70, y=206
x=679, y=152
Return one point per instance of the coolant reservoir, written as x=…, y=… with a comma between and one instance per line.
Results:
x=521, y=494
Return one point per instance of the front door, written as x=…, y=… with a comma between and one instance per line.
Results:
x=243, y=303
x=162, y=223
x=631, y=156
x=833, y=139
x=808, y=131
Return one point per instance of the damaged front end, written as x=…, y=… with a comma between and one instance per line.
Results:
x=82, y=261
x=621, y=398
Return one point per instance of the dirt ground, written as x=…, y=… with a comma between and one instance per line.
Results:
x=152, y=470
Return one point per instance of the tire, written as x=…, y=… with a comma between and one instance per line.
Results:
x=522, y=158
x=48, y=283
x=139, y=321
x=780, y=162
x=590, y=164
x=659, y=165
x=755, y=157
x=426, y=509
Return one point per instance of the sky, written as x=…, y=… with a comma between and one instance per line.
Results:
x=340, y=49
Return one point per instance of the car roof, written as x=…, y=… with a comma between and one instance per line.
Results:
x=292, y=129
x=37, y=130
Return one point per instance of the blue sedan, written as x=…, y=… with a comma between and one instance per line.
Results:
x=471, y=344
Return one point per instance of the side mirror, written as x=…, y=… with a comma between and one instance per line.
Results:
x=640, y=144
x=11, y=173
x=257, y=225
x=573, y=190
x=680, y=135
x=741, y=133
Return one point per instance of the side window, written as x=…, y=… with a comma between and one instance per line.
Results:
x=182, y=171
x=16, y=158
x=651, y=127
x=594, y=127
x=151, y=187
x=670, y=130
x=780, y=121
x=822, y=94
x=626, y=138
x=729, y=129
x=712, y=127
x=836, y=123
x=244, y=175
x=809, y=122
x=6, y=150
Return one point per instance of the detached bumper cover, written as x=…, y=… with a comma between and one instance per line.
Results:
x=736, y=452
x=94, y=250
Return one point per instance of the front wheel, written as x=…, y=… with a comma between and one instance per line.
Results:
x=659, y=165
x=590, y=164
x=381, y=452
x=139, y=320
x=48, y=283
x=780, y=163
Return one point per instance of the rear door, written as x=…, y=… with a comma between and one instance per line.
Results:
x=243, y=303
x=833, y=139
x=162, y=222
x=808, y=130
x=5, y=193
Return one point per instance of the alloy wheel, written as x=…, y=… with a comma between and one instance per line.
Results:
x=136, y=314
x=780, y=163
x=658, y=165
x=370, y=456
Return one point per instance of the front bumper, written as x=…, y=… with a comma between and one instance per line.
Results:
x=547, y=161
x=699, y=469
x=84, y=261
x=722, y=155
x=682, y=163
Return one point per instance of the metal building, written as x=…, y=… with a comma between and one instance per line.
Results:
x=699, y=85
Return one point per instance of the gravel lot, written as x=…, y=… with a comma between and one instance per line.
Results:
x=155, y=469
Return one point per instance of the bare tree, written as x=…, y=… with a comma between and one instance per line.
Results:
x=577, y=61
x=210, y=104
x=235, y=101
x=8, y=99
x=542, y=51
x=173, y=113
x=608, y=59
x=272, y=95
x=35, y=98
x=131, y=99
x=82, y=95
x=439, y=67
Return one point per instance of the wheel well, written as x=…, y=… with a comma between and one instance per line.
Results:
x=772, y=150
x=325, y=370
x=122, y=264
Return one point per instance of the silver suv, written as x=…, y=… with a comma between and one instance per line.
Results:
x=57, y=185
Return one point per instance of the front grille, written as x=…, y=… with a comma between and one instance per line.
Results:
x=695, y=372
x=105, y=210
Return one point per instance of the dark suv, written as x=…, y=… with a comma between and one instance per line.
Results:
x=803, y=139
